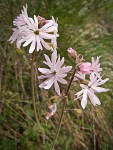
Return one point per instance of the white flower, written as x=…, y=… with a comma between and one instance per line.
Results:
x=56, y=73
x=88, y=91
x=22, y=18
x=54, y=40
x=21, y=24
x=95, y=66
x=36, y=36
x=29, y=32
x=54, y=23
x=17, y=36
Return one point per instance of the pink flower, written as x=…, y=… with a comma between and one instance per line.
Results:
x=85, y=68
x=94, y=67
x=56, y=73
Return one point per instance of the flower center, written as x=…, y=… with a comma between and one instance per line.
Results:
x=54, y=72
x=36, y=32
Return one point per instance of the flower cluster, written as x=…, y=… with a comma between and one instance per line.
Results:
x=88, y=67
x=37, y=32
x=40, y=33
x=92, y=86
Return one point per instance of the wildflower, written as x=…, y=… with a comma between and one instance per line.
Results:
x=16, y=36
x=20, y=22
x=85, y=68
x=88, y=91
x=54, y=40
x=95, y=66
x=34, y=32
x=56, y=73
x=22, y=18
x=36, y=36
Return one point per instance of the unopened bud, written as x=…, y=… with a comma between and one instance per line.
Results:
x=41, y=21
x=72, y=53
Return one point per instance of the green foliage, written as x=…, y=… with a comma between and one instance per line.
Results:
x=85, y=25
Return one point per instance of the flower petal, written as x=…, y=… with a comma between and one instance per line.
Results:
x=103, y=81
x=79, y=93
x=84, y=99
x=36, y=21
x=93, y=98
x=32, y=47
x=47, y=36
x=65, y=69
x=54, y=57
x=61, y=80
x=59, y=63
x=42, y=85
x=99, y=89
x=49, y=83
x=45, y=70
x=47, y=25
x=45, y=44
x=28, y=42
x=39, y=46
x=57, y=89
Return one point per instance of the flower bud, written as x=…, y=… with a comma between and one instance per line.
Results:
x=85, y=68
x=41, y=21
x=72, y=53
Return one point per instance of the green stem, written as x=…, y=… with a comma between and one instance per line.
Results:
x=63, y=108
x=32, y=86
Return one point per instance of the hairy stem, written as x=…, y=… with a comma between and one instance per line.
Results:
x=63, y=108
x=32, y=86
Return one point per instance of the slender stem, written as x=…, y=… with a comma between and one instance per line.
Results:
x=32, y=85
x=72, y=77
x=63, y=108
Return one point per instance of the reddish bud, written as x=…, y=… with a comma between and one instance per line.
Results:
x=72, y=53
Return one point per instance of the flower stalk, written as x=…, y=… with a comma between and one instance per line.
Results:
x=32, y=86
x=63, y=108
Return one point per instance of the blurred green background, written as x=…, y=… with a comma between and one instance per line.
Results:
x=85, y=25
